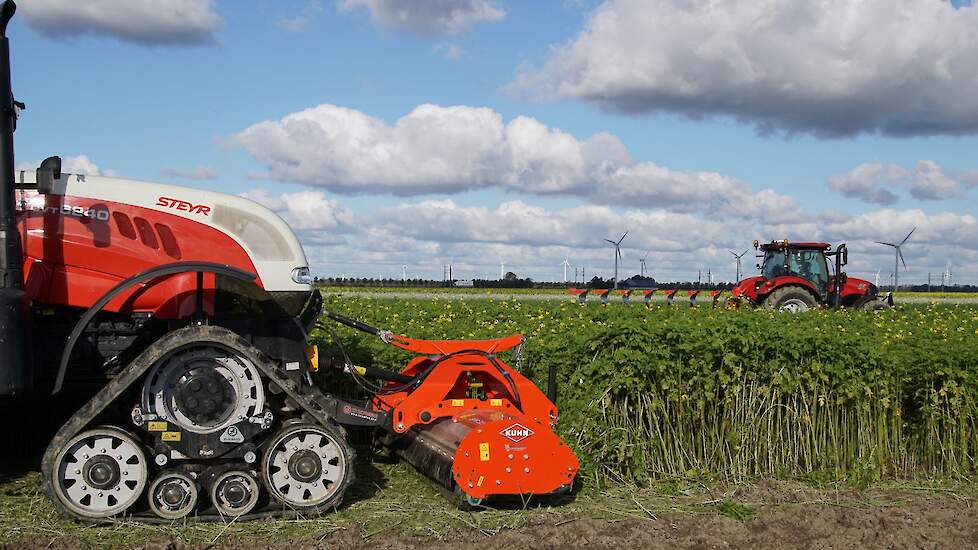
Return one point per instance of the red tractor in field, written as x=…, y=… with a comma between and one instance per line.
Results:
x=795, y=277
x=181, y=318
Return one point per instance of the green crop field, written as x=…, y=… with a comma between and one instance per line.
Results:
x=729, y=394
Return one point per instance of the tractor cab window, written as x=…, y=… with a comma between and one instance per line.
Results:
x=810, y=265
x=773, y=265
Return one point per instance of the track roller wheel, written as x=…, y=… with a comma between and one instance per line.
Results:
x=173, y=495
x=234, y=493
x=100, y=473
x=308, y=466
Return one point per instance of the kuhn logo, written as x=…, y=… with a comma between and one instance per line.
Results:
x=185, y=206
x=516, y=433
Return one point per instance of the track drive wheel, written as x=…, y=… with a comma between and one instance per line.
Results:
x=100, y=473
x=308, y=467
x=791, y=299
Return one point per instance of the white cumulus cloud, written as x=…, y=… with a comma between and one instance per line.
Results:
x=79, y=164
x=428, y=17
x=146, y=22
x=436, y=149
x=533, y=240
x=305, y=210
x=828, y=67
x=875, y=182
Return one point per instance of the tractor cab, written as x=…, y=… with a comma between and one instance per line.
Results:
x=804, y=260
x=796, y=276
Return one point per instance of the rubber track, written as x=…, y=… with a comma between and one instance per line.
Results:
x=311, y=399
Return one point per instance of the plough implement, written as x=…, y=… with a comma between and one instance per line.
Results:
x=626, y=295
x=467, y=420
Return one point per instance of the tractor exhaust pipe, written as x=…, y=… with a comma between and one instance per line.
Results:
x=16, y=373
x=11, y=260
x=841, y=259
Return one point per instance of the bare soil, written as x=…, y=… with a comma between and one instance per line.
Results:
x=927, y=520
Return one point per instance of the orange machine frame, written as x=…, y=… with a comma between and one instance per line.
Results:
x=454, y=365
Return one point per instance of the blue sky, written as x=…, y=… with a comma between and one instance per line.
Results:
x=180, y=96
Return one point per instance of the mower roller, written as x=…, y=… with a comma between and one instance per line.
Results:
x=178, y=319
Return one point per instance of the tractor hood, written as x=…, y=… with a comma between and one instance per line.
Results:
x=854, y=286
x=266, y=238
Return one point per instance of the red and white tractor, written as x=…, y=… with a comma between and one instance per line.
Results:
x=183, y=315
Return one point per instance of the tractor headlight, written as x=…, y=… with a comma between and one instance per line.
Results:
x=302, y=276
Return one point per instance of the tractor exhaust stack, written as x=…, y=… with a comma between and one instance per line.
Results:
x=16, y=372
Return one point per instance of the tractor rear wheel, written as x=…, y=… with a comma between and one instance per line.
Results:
x=792, y=299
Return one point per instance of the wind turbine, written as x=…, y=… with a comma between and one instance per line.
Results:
x=898, y=258
x=877, y=278
x=738, y=257
x=566, y=264
x=403, y=273
x=502, y=270
x=643, y=262
x=617, y=246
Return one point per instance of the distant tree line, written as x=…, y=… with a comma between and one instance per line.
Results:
x=510, y=281
x=934, y=288
x=513, y=281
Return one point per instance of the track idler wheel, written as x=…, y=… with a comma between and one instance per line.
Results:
x=308, y=466
x=234, y=493
x=173, y=495
x=100, y=473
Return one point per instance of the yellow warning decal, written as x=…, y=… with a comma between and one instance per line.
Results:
x=484, y=452
x=495, y=402
x=312, y=354
x=158, y=426
x=171, y=436
x=481, y=479
x=458, y=402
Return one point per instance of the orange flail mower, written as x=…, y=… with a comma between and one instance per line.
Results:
x=467, y=420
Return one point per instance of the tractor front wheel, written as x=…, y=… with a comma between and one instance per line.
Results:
x=791, y=299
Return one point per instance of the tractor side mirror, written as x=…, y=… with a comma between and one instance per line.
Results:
x=48, y=173
x=843, y=252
